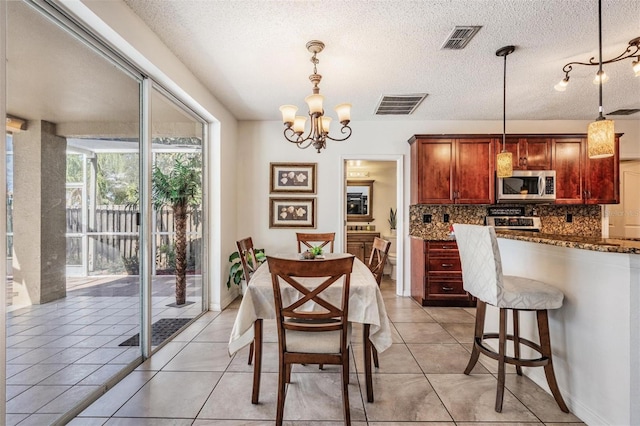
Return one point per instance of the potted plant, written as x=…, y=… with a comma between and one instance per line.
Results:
x=236, y=273
x=392, y=219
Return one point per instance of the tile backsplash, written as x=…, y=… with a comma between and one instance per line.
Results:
x=586, y=220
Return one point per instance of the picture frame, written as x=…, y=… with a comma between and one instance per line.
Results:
x=293, y=178
x=292, y=212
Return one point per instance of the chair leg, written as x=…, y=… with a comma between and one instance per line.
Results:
x=345, y=389
x=545, y=343
x=250, y=354
x=516, y=338
x=367, y=362
x=374, y=352
x=257, y=366
x=502, y=346
x=288, y=374
x=479, y=330
x=282, y=373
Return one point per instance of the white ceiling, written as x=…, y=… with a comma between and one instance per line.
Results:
x=251, y=54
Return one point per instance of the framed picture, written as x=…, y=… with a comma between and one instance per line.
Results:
x=293, y=178
x=292, y=213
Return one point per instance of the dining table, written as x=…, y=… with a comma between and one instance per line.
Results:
x=366, y=307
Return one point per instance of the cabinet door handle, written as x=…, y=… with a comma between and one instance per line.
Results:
x=447, y=265
x=447, y=288
x=524, y=160
x=444, y=247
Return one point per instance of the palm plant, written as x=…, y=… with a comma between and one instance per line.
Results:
x=181, y=189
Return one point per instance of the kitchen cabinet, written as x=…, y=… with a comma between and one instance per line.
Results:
x=580, y=179
x=452, y=170
x=436, y=274
x=529, y=153
x=360, y=244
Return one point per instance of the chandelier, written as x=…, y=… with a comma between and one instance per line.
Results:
x=319, y=130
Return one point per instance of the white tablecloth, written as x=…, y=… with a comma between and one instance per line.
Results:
x=366, y=306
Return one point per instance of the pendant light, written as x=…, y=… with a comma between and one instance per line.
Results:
x=600, y=134
x=504, y=160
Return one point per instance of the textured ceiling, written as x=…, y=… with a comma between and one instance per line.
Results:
x=252, y=56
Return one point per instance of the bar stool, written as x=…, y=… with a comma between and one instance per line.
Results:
x=482, y=277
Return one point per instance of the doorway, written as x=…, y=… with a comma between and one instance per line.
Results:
x=384, y=175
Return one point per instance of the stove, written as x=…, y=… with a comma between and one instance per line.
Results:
x=515, y=223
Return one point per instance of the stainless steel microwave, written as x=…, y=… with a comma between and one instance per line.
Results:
x=527, y=186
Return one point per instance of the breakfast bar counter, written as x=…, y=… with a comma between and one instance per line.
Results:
x=611, y=245
x=596, y=334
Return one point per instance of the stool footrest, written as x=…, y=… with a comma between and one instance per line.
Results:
x=523, y=362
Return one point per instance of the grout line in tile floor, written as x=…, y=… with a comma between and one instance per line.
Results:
x=420, y=381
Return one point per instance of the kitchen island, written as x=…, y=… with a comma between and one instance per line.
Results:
x=595, y=336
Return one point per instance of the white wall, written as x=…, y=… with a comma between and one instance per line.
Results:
x=262, y=142
x=114, y=21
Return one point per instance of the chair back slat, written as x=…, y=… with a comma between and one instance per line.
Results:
x=321, y=239
x=378, y=257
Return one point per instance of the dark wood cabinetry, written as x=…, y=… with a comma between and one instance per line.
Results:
x=436, y=274
x=457, y=170
x=582, y=180
x=360, y=244
x=460, y=169
x=529, y=153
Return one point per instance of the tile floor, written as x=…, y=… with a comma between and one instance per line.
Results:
x=193, y=381
x=60, y=352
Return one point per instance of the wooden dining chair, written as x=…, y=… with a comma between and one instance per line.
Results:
x=377, y=259
x=311, y=337
x=249, y=265
x=321, y=239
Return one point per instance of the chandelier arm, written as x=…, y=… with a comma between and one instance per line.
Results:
x=299, y=141
x=343, y=131
x=628, y=53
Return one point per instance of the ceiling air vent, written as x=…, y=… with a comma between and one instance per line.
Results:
x=399, y=104
x=460, y=37
x=624, y=111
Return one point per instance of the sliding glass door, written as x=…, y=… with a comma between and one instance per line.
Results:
x=76, y=289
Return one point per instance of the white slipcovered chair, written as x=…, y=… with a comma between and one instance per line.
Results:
x=482, y=277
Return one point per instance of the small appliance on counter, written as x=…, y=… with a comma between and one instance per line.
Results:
x=529, y=186
x=513, y=219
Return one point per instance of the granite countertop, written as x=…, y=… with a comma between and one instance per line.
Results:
x=612, y=245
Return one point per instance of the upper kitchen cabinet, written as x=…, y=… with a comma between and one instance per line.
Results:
x=580, y=179
x=452, y=170
x=602, y=177
x=529, y=153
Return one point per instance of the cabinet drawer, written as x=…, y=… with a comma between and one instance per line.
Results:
x=442, y=245
x=446, y=288
x=445, y=264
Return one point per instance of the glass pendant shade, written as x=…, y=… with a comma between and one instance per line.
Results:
x=298, y=124
x=504, y=164
x=562, y=86
x=344, y=112
x=325, y=122
x=601, y=139
x=636, y=67
x=315, y=103
x=288, y=113
x=600, y=75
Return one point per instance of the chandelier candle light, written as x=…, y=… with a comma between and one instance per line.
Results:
x=504, y=159
x=319, y=131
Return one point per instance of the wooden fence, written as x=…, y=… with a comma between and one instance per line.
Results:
x=113, y=238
